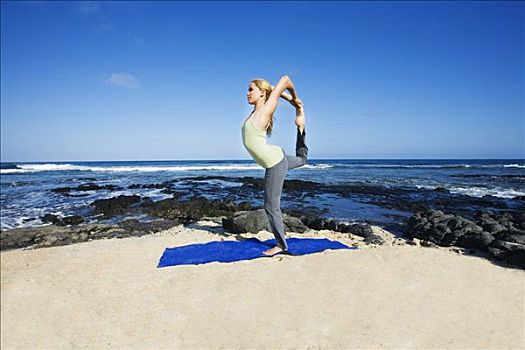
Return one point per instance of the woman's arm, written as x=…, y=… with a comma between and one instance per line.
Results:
x=285, y=95
x=284, y=84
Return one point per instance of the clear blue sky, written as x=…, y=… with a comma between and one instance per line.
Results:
x=168, y=80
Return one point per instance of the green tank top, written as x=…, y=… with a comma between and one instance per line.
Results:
x=254, y=140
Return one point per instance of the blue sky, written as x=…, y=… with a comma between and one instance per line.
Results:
x=168, y=80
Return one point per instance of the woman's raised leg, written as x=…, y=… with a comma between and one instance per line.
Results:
x=301, y=151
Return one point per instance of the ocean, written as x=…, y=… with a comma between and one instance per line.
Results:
x=26, y=187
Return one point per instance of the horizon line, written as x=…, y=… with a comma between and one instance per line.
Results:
x=247, y=159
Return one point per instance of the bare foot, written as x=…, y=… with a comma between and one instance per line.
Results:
x=273, y=251
x=299, y=119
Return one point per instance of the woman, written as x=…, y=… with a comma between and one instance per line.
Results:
x=259, y=124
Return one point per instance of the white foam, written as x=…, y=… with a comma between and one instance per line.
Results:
x=482, y=191
x=407, y=166
x=219, y=182
x=174, y=168
x=317, y=166
x=513, y=166
x=31, y=168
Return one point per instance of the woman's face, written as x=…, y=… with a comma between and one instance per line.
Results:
x=254, y=94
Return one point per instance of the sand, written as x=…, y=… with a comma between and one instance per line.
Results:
x=108, y=294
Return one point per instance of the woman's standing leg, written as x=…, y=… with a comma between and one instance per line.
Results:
x=273, y=187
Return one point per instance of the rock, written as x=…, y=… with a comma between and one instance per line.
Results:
x=94, y=187
x=520, y=220
x=496, y=233
x=68, y=220
x=256, y=220
x=441, y=189
x=54, y=219
x=493, y=227
x=17, y=238
x=158, y=186
x=193, y=209
x=510, y=252
x=365, y=231
x=73, y=220
x=444, y=229
x=113, y=206
x=430, y=244
x=141, y=228
x=517, y=238
x=426, y=226
x=475, y=240
x=85, y=187
x=47, y=236
x=318, y=223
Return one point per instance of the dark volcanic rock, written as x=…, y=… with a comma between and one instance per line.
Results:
x=47, y=236
x=441, y=189
x=478, y=240
x=73, y=220
x=365, y=231
x=498, y=234
x=510, y=252
x=193, y=209
x=159, y=186
x=255, y=221
x=68, y=220
x=85, y=187
x=134, y=225
x=54, y=219
x=113, y=206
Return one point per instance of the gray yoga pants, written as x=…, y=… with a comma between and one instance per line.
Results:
x=273, y=187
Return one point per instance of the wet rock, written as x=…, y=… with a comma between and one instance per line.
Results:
x=61, y=190
x=85, y=187
x=158, y=186
x=193, y=209
x=113, y=206
x=441, y=189
x=59, y=221
x=73, y=220
x=54, y=219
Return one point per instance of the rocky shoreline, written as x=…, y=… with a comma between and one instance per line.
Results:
x=489, y=226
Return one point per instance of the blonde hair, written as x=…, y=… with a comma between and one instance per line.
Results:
x=265, y=86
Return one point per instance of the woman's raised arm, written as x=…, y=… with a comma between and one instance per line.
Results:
x=285, y=83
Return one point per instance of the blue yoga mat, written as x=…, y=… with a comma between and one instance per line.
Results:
x=252, y=248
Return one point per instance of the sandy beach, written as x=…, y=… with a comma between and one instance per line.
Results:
x=109, y=294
